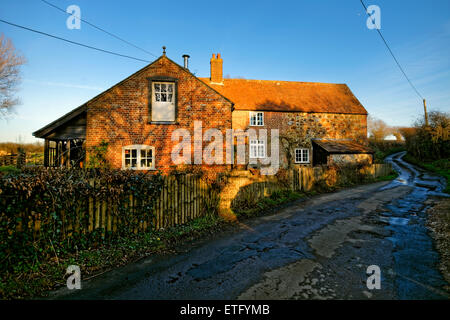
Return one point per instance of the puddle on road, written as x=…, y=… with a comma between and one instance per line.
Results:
x=415, y=260
x=395, y=221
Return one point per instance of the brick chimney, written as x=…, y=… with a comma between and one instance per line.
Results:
x=216, y=69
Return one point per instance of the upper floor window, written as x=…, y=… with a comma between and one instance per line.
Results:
x=138, y=157
x=256, y=118
x=163, y=101
x=301, y=155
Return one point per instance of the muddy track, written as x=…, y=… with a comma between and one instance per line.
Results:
x=319, y=248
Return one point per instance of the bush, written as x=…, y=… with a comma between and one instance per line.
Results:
x=432, y=142
x=43, y=211
x=385, y=148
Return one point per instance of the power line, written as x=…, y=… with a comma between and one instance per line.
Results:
x=72, y=42
x=392, y=54
x=101, y=29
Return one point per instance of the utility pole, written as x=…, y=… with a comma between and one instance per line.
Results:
x=425, y=109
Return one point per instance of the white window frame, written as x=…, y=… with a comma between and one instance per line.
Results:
x=302, y=152
x=138, y=148
x=260, y=149
x=254, y=120
x=157, y=106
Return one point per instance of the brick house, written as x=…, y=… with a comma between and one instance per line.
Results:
x=318, y=123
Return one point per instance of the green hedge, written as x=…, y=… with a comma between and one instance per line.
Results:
x=57, y=200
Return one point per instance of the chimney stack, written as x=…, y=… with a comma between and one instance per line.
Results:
x=186, y=61
x=216, y=69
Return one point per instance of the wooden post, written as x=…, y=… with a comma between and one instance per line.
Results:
x=46, y=153
x=91, y=209
x=425, y=110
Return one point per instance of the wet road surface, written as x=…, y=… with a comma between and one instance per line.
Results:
x=318, y=248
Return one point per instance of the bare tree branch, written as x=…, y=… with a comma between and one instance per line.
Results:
x=10, y=62
x=378, y=129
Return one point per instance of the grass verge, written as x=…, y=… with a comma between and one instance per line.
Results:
x=28, y=281
x=9, y=170
x=261, y=206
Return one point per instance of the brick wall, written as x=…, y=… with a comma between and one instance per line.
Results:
x=121, y=115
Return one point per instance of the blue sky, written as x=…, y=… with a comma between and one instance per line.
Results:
x=319, y=41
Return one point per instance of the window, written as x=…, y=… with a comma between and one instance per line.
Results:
x=138, y=157
x=301, y=155
x=163, y=101
x=256, y=118
x=257, y=149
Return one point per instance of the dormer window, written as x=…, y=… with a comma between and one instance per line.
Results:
x=256, y=118
x=163, y=101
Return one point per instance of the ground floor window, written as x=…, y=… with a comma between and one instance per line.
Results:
x=138, y=157
x=301, y=155
x=257, y=149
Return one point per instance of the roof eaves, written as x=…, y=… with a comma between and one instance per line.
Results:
x=41, y=133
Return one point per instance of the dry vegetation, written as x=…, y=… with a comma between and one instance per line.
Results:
x=14, y=147
x=439, y=223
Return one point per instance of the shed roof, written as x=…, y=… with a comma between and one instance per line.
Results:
x=342, y=146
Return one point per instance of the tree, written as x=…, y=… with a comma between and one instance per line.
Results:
x=10, y=62
x=430, y=142
x=378, y=129
x=397, y=134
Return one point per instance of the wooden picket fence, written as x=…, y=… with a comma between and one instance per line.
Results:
x=182, y=198
x=8, y=160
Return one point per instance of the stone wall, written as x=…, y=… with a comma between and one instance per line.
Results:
x=298, y=128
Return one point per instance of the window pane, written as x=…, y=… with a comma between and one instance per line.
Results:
x=163, y=97
x=260, y=119
x=169, y=97
x=149, y=162
x=253, y=151
x=143, y=153
x=261, y=151
x=133, y=153
x=133, y=163
x=163, y=112
x=170, y=87
x=127, y=163
x=163, y=87
x=157, y=87
x=157, y=97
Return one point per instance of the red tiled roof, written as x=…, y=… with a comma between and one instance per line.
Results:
x=270, y=95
